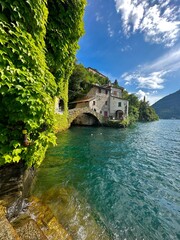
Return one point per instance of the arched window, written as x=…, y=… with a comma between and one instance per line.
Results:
x=61, y=105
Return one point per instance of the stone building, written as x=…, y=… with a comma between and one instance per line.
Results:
x=96, y=72
x=106, y=100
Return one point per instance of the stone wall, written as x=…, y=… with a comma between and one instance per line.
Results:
x=15, y=183
x=114, y=106
x=101, y=101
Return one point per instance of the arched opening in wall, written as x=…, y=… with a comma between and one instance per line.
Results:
x=86, y=119
x=119, y=115
x=61, y=105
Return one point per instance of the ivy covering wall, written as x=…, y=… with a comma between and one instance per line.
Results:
x=38, y=42
x=65, y=27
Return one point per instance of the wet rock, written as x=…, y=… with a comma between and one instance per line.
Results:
x=46, y=221
x=7, y=232
x=28, y=229
x=19, y=218
x=39, y=223
x=15, y=182
x=74, y=212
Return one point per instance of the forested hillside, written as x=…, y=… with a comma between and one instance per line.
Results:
x=169, y=106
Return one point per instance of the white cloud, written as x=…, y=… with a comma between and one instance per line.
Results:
x=158, y=20
x=152, y=99
x=153, y=75
x=99, y=18
x=126, y=48
x=151, y=96
x=170, y=61
x=141, y=94
x=110, y=31
x=153, y=80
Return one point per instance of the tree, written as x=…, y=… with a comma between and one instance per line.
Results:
x=78, y=82
x=139, y=110
x=133, y=106
x=116, y=83
x=146, y=112
x=81, y=80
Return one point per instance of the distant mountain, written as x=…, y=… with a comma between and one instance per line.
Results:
x=169, y=106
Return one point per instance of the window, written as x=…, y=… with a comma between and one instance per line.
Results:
x=106, y=92
x=99, y=90
x=106, y=103
x=94, y=103
x=119, y=104
x=61, y=105
x=115, y=93
x=105, y=113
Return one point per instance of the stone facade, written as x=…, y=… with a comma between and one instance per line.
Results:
x=118, y=108
x=78, y=113
x=107, y=101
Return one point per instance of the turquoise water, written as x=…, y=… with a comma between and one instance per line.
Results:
x=105, y=183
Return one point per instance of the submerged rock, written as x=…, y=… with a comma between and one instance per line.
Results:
x=29, y=230
x=39, y=223
x=74, y=212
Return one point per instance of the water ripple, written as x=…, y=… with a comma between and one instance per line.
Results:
x=129, y=179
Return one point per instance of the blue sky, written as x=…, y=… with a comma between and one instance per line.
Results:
x=136, y=42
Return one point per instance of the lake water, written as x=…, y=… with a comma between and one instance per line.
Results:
x=105, y=183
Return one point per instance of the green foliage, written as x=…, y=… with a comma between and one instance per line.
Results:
x=118, y=123
x=139, y=110
x=61, y=122
x=80, y=82
x=125, y=122
x=146, y=112
x=133, y=106
x=34, y=68
x=65, y=27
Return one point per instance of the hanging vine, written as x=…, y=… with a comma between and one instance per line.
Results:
x=34, y=68
x=64, y=28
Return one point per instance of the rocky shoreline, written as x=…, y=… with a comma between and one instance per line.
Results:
x=23, y=217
